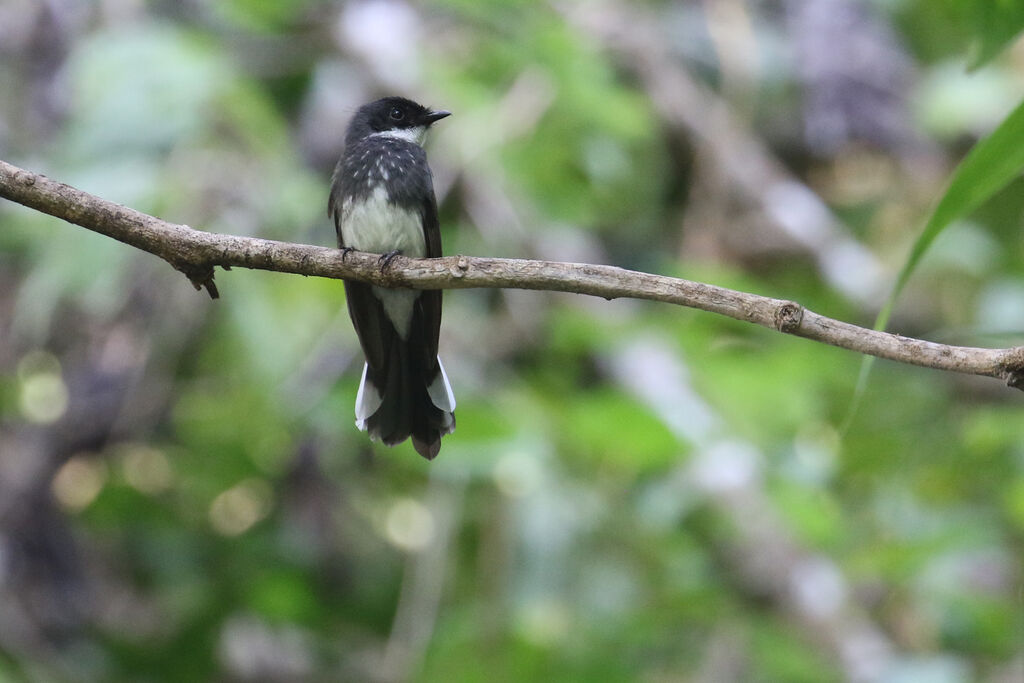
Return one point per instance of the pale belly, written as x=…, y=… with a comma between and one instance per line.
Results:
x=378, y=227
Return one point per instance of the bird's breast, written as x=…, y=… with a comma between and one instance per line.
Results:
x=375, y=224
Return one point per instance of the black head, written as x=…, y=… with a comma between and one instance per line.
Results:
x=393, y=114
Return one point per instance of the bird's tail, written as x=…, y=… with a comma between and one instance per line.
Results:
x=406, y=400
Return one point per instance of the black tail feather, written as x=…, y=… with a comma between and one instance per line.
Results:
x=406, y=409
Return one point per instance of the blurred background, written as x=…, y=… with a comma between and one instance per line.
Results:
x=635, y=492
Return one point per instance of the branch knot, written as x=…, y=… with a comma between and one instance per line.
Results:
x=788, y=317
x=200, y=275
x=461, y=267
x=1012, y=367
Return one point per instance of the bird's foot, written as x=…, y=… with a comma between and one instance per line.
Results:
x=386, y=259
x=345, y=251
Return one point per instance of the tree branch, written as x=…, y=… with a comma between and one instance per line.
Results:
x=196, y=253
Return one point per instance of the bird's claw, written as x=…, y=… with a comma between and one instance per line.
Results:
x=345, y=251
x=386, y=259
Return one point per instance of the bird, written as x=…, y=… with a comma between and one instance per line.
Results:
x=382, y=201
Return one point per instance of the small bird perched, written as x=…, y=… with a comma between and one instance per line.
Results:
x=382, y=201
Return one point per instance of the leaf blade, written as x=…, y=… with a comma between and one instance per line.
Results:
x=990, y=165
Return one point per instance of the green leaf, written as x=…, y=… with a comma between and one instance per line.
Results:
x=989, y=167
x=997, y=23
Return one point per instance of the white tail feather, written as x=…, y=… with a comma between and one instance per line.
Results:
x=440, y=392
x=368, y=400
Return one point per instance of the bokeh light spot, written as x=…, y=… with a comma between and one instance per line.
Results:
x=410, y=525
x=544, y=622
x=43, y=396
x=236, y=510
x=78, y=481
x=146, y=469
x=517, y=475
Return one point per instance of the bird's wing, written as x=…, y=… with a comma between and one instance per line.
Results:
x=430, y=301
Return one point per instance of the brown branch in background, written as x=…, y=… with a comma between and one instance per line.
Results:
x=197, y=253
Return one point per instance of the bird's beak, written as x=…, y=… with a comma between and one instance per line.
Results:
x=437, y=116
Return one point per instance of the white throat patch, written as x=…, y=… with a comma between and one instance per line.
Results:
x=414, y=135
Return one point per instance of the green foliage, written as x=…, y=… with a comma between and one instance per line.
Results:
x=996, y=24
x=988, y=168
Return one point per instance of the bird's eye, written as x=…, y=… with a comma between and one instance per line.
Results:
x=397, y=114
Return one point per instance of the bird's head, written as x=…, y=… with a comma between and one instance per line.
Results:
x=394, y=117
